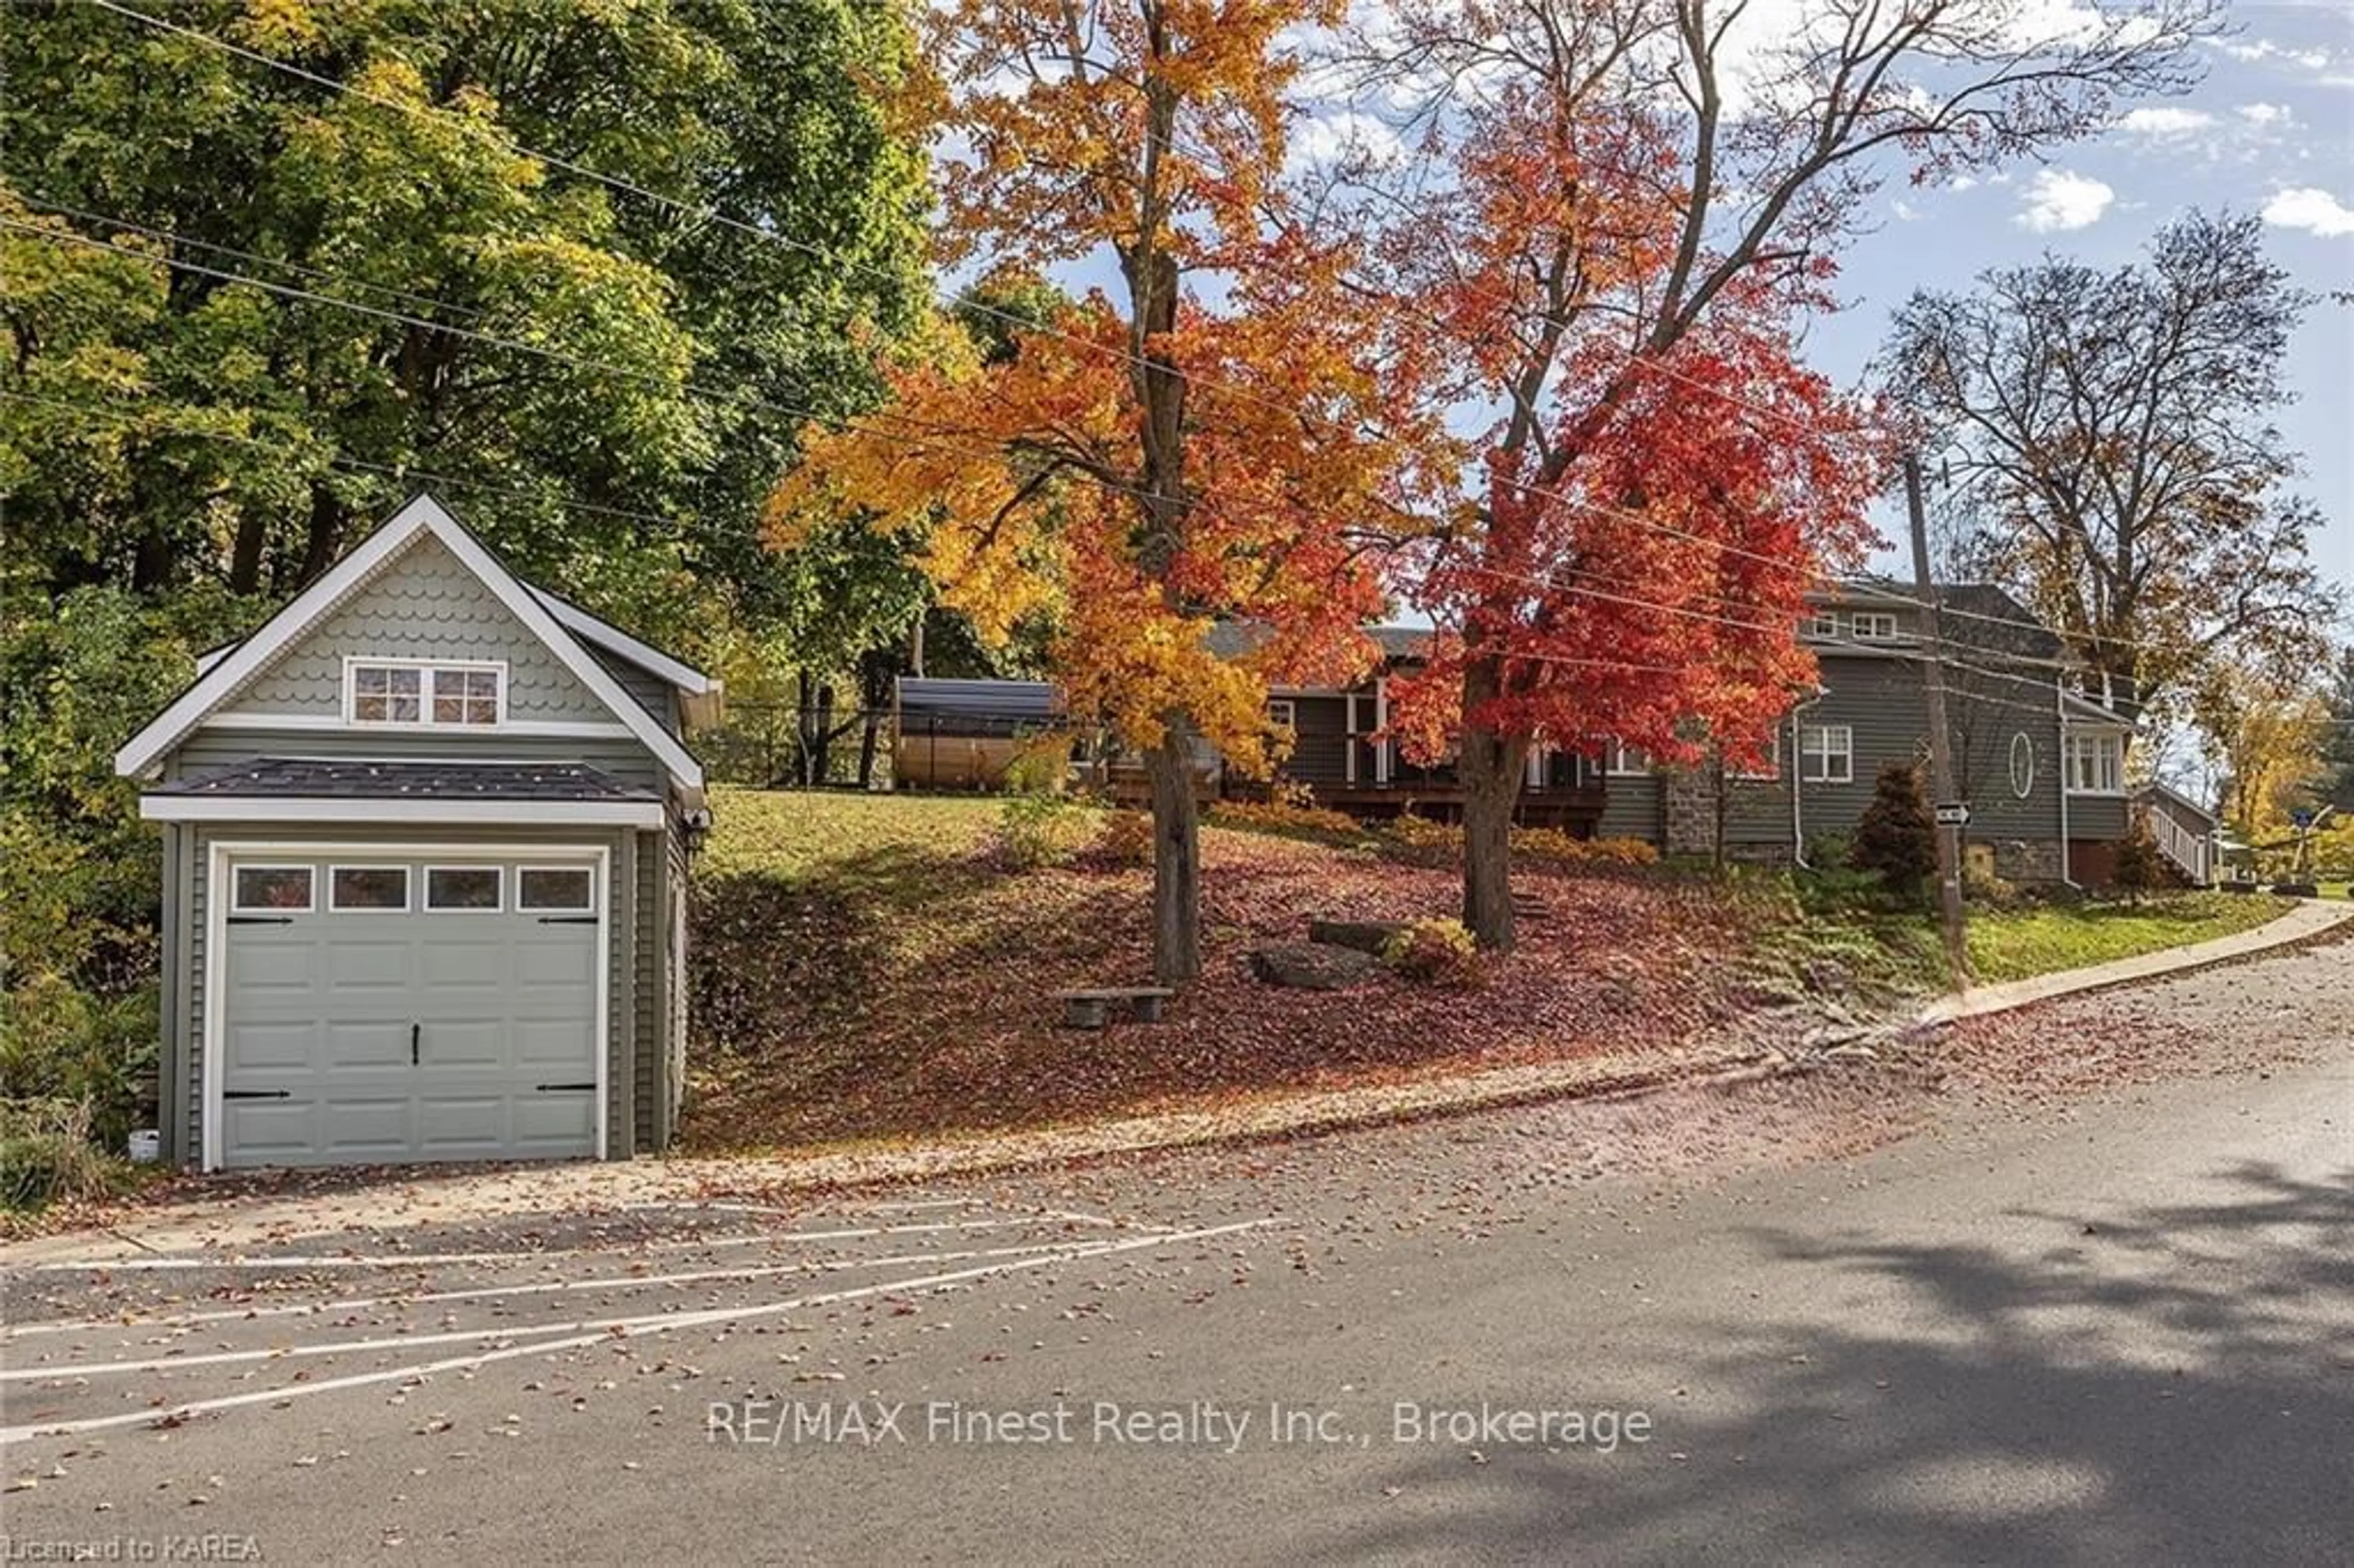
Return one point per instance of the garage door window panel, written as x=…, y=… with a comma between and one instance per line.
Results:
x=555, y=890
x=463, y=889
x=368, y=889
x=271, y=890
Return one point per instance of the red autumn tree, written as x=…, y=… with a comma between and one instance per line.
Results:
x=1192, y=445
x=1619, y=212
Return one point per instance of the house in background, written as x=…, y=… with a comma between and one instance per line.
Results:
x=425, y=847
x=2041, y=765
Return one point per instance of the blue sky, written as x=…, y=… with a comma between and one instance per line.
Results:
x=2269, y=131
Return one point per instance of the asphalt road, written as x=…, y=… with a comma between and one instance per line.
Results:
x=2114, y=1323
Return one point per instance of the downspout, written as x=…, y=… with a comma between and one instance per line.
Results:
x=1798, y=774
x=2059, y=712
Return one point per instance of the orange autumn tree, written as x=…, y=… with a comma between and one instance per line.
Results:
x=1193, y=444
x=1618, y=215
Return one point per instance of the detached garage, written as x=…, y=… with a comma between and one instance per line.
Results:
x=425, y=839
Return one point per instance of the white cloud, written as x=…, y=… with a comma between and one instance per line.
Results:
x=1904, y=210
x=1338, y=137
x=2312, y=209
x=2267, y=113
x=2058, y=200
x=2165, y=124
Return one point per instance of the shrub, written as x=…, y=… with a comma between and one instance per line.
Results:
x=1898, y=837
x=1285, y=814
x=1421, y=832
x=2137, y=868
x=1551, y=843
x=46, y=1155
x=59, y=1042
x=1126, y=839
x=1434, y=952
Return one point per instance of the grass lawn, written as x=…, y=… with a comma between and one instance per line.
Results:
x=2015, y=944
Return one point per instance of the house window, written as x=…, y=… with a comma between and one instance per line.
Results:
x=2022, y=765
x=1282, y=712
x=452, y=695
x=274, y=888
x=2096, y=765
x=1823, y=623
x=462, y=888
x=354, y=888
x=1875, y=626
x=1620, y=759
x=1772, y=767
x=1827, y=754
x=559, y=888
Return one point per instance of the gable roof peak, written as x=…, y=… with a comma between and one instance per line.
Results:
x=421, y=516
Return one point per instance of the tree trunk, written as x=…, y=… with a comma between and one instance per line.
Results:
x=1489, y=767
x=1176, y=861
x=325, y=534
x=245, y=560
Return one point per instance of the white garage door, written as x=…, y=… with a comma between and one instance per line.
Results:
x=408, y=1009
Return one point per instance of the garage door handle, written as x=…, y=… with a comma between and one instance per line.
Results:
x=261, y=919
x=412, y=1043
x=566, y=1088
x=570, y=919
x=256, y=1094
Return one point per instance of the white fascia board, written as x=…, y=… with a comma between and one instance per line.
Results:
x=231, y=670
x=525, y=606
x=580, y=623
x=273, y=808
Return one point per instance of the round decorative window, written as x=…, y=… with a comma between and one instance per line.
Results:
x=2022, y=765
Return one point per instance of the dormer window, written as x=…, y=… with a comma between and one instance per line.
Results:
x=443, y=694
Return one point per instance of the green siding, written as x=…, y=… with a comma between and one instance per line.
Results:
x=1634, y=806
x=423, y=604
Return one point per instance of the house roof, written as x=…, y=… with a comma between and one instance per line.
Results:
x=338, y=778
x=2159, y=788
x=1233, y=639
x=1987, y=617
x=423, y=518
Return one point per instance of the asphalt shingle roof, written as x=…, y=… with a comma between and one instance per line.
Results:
x=315, y=778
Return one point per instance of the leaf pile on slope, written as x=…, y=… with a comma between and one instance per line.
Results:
x=864, y=971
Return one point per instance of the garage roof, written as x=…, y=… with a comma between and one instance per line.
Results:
x=325, y=790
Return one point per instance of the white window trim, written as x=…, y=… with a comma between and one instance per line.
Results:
x=354, y=662
x=1614, y=761
x=310, y=905
x=2018, y=740
x=1283, y=710
x=425, y=892
x=1868, y=625
x=408, y=887
x=218, y=881
x=1815, y=762
x=588, y=908
x=1823, y=623
x=2105, y=742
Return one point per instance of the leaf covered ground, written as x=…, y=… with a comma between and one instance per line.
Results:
x=867, y=968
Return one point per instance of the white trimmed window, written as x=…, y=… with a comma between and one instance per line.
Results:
x=1827, y=754
x=1620, y=760
x=272, y=889
x=429, y=695
x=1823, y=623
x=1875, y=626
x=2022, y=765
x=1282, y=712
x=2096, y=764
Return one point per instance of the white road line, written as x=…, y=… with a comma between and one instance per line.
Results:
x=364, y=1303
x=444, y=1259
x=609, y=1329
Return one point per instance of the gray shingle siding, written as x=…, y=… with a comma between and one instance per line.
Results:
x=1634, y=806
x=424, y=604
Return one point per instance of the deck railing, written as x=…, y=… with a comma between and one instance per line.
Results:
x=2193, y=854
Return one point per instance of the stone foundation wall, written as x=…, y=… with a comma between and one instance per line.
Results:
x=1691, y=811
x=2029, y=860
